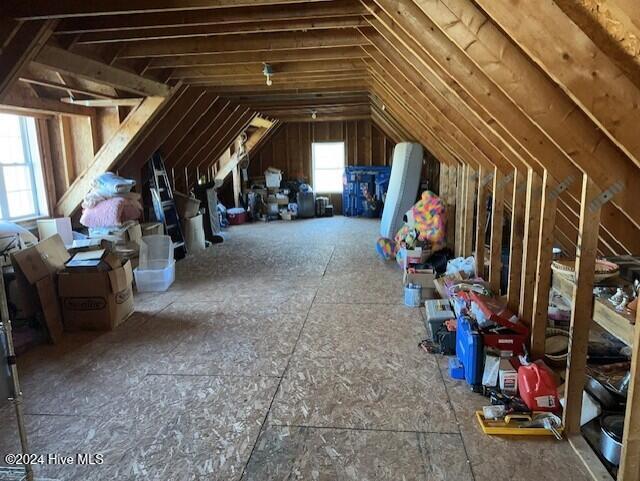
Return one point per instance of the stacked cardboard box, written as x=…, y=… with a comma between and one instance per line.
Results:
x=90, y=291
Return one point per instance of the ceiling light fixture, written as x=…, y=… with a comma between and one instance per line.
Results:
x=268, y=72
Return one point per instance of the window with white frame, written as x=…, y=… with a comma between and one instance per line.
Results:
x=328, y=166
x=22, y=193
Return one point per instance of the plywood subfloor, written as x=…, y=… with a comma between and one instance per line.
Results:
x=283, y=354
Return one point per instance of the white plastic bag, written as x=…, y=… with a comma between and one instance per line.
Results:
x=460, y=264
x=109, y=184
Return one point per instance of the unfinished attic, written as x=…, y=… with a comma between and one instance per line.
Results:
x=320, y=240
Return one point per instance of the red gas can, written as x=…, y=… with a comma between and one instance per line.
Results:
x=538, y=388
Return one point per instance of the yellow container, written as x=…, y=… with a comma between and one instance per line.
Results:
x=510, y=426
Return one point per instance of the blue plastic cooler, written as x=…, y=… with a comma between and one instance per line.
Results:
x=469, y=351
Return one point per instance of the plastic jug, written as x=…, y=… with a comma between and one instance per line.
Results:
x=537, y=387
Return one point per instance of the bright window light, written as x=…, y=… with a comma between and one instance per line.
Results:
x=328, y=166
x=21, y=182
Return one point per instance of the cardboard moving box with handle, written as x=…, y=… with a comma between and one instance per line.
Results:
x=96, y=299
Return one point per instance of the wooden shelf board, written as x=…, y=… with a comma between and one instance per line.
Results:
x=617, y=324
x=612, y=321
x=596, y=469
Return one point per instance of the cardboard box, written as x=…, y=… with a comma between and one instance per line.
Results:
x=50, y=227
x=412, y=257
x=96, y=300
x=508, y=378
x=424, y=277
x=273, y=177
x=131, y=232
x=193, y=232
x=36, y=269
x=152, y=228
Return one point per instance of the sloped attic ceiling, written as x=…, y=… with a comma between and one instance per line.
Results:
x=546, y=91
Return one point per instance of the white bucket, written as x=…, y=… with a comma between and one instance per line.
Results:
x=413, y=295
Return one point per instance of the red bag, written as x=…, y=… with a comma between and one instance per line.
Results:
x=538, y=388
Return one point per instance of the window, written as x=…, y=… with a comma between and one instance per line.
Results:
x=328, y=166
x=21, y=182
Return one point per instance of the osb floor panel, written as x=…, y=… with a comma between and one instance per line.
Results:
x=284, y=353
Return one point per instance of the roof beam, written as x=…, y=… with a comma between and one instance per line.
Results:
x=571, y=59
x=456, y=59
x=164, y=33
x=299, y=80
x=227, y=167
x=103, y=102
x=504, y=65
x=224, y=137
x=181, y=105
x=204, y=129
x=328, y=87
x=311, y=100
x=255, y=69
x=26, y=9
x=484, y=114
x=213, y=16
x=76, y=65
x=110, y=154
x=65, y=88
x=275, y=56
x=613, y=25
x=242, y=43
x=23, y=45
x=207, y=103
x=21, y=104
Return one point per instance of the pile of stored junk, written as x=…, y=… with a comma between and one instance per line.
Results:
x=274, y=199
x=53, y=279
x=488, y=343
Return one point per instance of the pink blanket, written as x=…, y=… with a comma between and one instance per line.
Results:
x=111, y=212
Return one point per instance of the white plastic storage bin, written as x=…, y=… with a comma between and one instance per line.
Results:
x=156, y=277
x=157, y=268
x=154, y=249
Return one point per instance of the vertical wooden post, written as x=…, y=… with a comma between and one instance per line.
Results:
x=451, y=206
x=518, y=220
x=470, y=194
x=581, y=311
x=630, y=457
x=96, y=138
x=443, y=190
x=530, y=246
x=497, y=221
x=545, y=256
x=236, y=186
x=460, y=196
x=444, y=182
x=66, y=142
x=481, y=221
